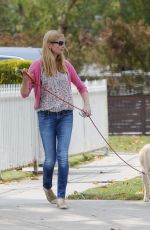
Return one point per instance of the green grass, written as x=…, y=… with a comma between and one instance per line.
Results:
x=15, y=175
x=123, y=190
x=82, y=159
x=128, y=144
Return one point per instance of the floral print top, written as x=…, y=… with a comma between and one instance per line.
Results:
x=58, y=85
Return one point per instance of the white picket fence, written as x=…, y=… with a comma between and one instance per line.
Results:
x=20, y=143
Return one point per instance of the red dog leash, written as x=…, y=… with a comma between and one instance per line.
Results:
x=82, y=114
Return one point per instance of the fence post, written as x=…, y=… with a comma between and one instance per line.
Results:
x=35, y=166
x=1, y=178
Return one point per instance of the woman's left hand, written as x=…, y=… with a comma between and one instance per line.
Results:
x=86, y=110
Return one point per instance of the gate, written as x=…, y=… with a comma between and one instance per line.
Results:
x=129, y=114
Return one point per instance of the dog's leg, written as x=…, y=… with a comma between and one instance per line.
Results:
x=146, y=187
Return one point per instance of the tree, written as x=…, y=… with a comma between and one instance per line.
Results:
x=82, y=22
x=126, y=45
x=7, y=16
x=135, y=11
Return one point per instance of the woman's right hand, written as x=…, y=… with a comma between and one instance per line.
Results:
x=86, y=110
x=25, y=75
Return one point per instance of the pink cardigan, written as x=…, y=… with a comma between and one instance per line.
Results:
x=35, y=71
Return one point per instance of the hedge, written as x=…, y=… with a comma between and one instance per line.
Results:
x=7, y=70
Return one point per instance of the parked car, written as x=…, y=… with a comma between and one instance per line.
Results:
x=22, y=53
x=6, y=57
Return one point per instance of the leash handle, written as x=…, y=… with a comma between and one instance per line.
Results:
x=20, y=73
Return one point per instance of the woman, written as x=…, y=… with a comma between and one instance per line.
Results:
x=55, y=116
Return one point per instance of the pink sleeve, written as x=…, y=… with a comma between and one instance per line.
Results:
x=31, y=70
x=75, y=79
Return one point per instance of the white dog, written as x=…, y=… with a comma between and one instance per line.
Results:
x=144, y=155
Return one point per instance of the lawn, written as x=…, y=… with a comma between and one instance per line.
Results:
x=83, y=158
x=15, y=175
x=123, y=190
x=128, y=144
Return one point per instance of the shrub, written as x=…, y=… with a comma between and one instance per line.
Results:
x=7, y=71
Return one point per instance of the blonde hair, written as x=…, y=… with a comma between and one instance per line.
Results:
x=50, y=64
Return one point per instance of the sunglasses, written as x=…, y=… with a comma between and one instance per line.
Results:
x=60, y=43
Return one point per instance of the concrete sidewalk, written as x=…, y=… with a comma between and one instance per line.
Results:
x=23, y=204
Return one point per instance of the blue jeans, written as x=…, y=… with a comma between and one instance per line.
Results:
x=55, y=130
